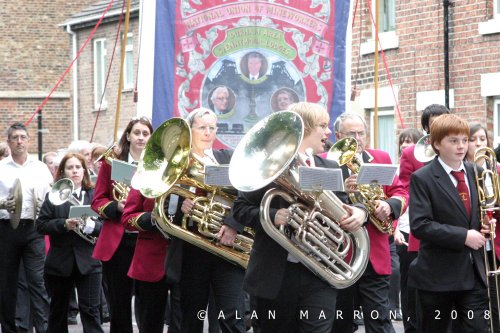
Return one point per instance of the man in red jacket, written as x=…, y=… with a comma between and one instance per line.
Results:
x=373, y=286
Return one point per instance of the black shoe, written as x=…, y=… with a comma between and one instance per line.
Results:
x=105, y=317
x=398, y=316
x=72, y=321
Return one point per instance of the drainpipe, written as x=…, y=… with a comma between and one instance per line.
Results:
x=75, y=82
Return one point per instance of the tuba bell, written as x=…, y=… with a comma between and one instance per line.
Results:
x=488, y=182
x=344, y=153
x=167, y=167
x=62, y=192
x=269, y=153
x=423, y=150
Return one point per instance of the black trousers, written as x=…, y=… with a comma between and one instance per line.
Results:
x=408, y=294
x=466, y=308
x=27, y=244
x=373, y=293
x=200, y=272
x=151, y=301
x=60, y=288
x=120, y=286
x=305, y=303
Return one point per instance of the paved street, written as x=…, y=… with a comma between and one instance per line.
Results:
x=398, y=326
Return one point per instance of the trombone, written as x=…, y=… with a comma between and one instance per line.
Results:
x=488, y=183
x=62, y=192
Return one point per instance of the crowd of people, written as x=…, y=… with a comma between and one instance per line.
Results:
x=435, y=255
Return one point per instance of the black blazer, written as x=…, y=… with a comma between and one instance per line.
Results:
x=173, y=261
x=438, y=218
x=67, y=249
x=266, y=268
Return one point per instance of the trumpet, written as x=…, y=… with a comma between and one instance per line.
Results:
x=423, y=150
x=62, y=192
x=344, y=152
x=120, y=190
x=488, y=182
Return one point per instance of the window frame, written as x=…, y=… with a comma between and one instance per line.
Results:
x=496, y=119
x=385, y=111
x=128, y=83
x=100, y=65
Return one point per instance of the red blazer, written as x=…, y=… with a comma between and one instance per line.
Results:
x=397, y=198
x=408, y=164
x=104, y=204
x=148, y=262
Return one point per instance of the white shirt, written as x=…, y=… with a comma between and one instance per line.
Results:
x=35, y=180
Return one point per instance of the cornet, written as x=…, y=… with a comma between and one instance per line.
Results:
x=61, y=192
x=120, y=190
x=423, y=150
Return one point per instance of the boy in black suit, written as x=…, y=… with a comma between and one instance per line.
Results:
x=288, y=296
x=449, y=272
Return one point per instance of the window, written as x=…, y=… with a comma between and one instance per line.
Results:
x=496, y=120
x=387, y=140
x=128, y=77
x=100, y=67
x=387, y=12
x=496, y=4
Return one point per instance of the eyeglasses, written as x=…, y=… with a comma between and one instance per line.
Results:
x=211, y=129
x=353, y=134
x=19, y=138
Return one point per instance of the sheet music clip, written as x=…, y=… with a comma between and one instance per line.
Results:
x=79, y=211
x=217, y=175
x=122, y=171
x=320, y=179
x=377, y=174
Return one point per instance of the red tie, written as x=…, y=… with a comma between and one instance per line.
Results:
x=308, y=161
x=463, y=189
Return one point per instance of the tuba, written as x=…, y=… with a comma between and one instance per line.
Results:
x=423, y=150
x=488, y=182
x=269, y=152
x=61, y=192
x=167, y=167
x=120, y=190
x=344, y=152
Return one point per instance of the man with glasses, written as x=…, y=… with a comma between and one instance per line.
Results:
x=24, y=242
x=220, y=100
x=373, y=287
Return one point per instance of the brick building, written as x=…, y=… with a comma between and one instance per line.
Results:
x=411, y=34
x=96, y=61
x=34, y=54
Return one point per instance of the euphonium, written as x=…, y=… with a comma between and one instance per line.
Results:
x=168, y=168
x=423, y=150
x=61, y=192
x=269, y=152
x=344, y=152
x=488, y=182
x=120, y=190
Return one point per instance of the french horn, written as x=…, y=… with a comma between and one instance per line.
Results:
x=167, y=168
x=62, y=192
x=344, y=153
x=269, y=153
